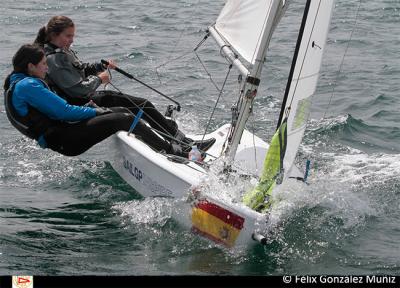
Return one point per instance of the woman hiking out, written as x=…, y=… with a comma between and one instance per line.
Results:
x=77, y=82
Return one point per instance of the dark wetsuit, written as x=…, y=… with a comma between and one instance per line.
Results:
x=77, y=83
x=67, y=129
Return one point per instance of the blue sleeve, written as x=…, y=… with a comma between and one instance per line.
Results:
x=38, y=96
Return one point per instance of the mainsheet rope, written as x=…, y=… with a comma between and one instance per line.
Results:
x=164, y=132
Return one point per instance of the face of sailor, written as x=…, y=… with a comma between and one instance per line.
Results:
x=39, y=70
x=65, y=38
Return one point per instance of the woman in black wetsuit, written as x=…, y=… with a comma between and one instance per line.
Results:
x=42, y=115
x=77, y=82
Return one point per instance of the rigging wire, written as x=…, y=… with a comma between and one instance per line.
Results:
x=344, y=55
x=167, y=62
x=254, y=142
x=183, y=55
x=208, y=73
x=216, y=103
x=176, y=45
x=220, y=90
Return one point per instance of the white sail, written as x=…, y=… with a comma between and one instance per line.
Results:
x=242, y=23
x=305, y=75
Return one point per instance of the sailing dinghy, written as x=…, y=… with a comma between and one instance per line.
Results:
x=242, y=31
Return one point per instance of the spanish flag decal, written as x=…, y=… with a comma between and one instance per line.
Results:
x=216, y=223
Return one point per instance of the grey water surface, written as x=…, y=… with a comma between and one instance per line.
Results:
x=76, y=216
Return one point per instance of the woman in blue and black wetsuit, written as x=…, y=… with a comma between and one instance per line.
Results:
x=42, y=115
x=77, y=82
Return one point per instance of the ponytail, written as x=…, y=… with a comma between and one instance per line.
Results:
x=41, y=37
x=54, y=27
x=7, y=82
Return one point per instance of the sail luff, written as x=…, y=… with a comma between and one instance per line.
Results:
x=294, y=60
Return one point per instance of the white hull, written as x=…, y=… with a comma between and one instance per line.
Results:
x=154, y=174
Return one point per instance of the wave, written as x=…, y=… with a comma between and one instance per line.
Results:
x=354, y=133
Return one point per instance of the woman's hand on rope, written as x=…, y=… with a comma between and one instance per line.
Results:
x=104, y=77
x=109, y=64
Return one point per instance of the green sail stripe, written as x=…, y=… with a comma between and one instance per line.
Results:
x=259, y=198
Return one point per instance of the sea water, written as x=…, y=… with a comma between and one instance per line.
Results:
x=76, y=216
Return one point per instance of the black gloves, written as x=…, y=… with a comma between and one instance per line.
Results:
x=102, y=111
x=99, y=110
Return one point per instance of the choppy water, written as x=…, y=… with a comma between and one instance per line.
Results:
x=68, y=216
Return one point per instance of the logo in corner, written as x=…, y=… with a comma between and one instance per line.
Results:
x=22, y=281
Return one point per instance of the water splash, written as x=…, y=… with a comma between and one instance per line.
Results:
x=148, y=211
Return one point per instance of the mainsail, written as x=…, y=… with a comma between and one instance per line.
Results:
x=244, y=23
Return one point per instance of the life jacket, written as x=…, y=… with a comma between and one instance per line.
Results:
x=34, y=124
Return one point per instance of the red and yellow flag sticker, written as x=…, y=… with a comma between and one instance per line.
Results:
x=216, y=223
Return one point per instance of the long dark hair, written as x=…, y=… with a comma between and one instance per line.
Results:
x=28, y=53
x=54, y=27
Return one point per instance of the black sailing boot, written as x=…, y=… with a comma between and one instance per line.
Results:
x=203, y=145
